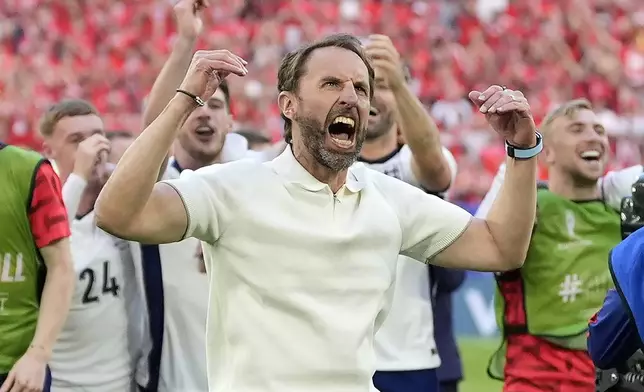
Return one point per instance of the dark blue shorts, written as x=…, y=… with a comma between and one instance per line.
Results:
x=46, y=387
x=407, y=381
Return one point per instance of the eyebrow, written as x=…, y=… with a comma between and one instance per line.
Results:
x=338, y=80
x=579, y=123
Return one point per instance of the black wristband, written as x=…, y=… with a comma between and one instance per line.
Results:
x=195, y=98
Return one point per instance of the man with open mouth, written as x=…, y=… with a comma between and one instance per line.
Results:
x=407, y=358
x=543, y=309
x=302, y=251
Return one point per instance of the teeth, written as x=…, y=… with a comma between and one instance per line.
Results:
x=590, y=154
x=342, y=142
x=344, y=120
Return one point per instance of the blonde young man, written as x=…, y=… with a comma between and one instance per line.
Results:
x=543, y=309
x=93, y=351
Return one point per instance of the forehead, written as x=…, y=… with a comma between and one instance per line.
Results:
x=582, y=116
x=219, y=95
x=85, y=126
x=336, y=62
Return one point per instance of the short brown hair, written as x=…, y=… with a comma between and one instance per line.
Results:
x=62, y=109
x=293, y=67
x=567, y=109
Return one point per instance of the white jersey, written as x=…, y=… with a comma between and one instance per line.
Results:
x=175, y=295
x=92, y=351
x=406, y=339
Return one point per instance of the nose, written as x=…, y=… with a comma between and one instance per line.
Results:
x=348, y=96
x=202, y=113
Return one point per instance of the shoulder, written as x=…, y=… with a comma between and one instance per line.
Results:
x=224, y=170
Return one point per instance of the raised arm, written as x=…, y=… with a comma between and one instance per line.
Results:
x=132, y=205
x=443, y=234
x=428, y=163
x=189, y=26
x=501, y=241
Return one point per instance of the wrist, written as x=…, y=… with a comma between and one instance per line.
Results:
x=40, y=351
x=185, y=43
x=183, y=102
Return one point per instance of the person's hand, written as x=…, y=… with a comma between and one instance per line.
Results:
x=90, y=153
x=386, y=60
x=28, y=374
x=189, y=23
x=208, y=69
x=508, y=113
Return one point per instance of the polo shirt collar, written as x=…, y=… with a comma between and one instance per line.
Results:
x=288, y=167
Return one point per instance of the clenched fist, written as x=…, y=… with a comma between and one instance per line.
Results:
x=385, y=60
x=189, y=23
x=508, y=113
x=208, y=69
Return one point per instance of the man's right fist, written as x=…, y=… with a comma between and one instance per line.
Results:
x=90, y=153
x=208, y=69
x=189, y=23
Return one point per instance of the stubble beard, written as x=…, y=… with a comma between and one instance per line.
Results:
x=314, y=135
x=380, y=129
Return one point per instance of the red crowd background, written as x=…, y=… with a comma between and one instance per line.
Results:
x=111, y=51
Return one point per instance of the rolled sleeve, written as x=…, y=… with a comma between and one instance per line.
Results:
x=428, y=223
x=203, y=196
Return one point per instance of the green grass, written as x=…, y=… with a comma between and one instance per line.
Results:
x=475, y=353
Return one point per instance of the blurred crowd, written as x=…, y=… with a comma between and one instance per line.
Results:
x=111, y=51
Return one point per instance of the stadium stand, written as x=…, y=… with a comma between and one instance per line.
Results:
x=554, y=50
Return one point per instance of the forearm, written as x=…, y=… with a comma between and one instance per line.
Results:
x=511, y=216
x=422, y=136
x=72, y=192
x=54, y=305
x=127, y=191
x=169, y=79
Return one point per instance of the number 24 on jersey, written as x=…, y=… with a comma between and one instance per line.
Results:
x=109, y=284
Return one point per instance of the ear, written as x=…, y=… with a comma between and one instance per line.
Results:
x=548, y=155
x=47, y=150
x=229, y=123
x=287, y=104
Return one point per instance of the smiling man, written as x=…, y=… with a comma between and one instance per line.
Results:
x=302, y=251
x=544, y=308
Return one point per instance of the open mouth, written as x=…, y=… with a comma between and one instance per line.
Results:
x=342, y=131
x=204, y=131
x=591, y=156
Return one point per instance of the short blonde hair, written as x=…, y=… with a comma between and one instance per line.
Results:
x=567, y=109
x=62, y=109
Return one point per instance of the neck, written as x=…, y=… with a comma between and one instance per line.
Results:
x=334, y=179
x=565, y=186
x=186, y=161
x=86, y=204
x=379, y=147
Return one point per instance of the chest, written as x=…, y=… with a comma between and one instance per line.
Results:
x=573, y=239
x=298, y=239
x=99, y=262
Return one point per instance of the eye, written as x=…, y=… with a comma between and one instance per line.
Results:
x=330, y=84
x=362, y=89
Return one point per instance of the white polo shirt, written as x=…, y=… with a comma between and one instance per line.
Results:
x=298, y=276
